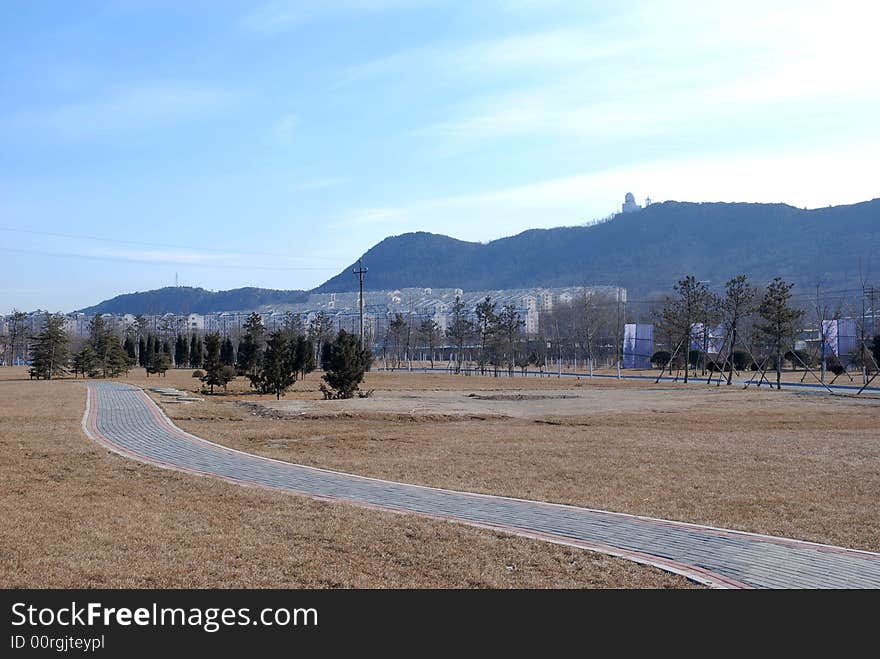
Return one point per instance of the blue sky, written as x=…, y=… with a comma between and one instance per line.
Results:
x=271, y=143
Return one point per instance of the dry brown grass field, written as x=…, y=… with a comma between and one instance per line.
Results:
x=76, y=515
x=789, y=463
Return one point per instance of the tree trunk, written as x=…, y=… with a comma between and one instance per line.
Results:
x=732, y=348
x=687, y=351
x=779, y=368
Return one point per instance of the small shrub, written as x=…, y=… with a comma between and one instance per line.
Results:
x=713, y=365
x=661, y=358
x=832, y=363
x=798, y=358
x=198, y=374
x=228, y=373
x=741, y=360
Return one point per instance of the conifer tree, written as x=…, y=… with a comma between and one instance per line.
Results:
x=346, y=366
x=98, y=333
x=116, y=360
x=181, y=351
x=130, y=348
x=18, y=335
x=278, y=369
x=110, y=357
x=250, y=349
x=49, y=349
x=304, y=356
x=216, y=372
x=150, y=357
x=84, y=362
x=227, y=352
x=195, y=352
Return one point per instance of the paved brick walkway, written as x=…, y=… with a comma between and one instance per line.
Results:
x=125, y=420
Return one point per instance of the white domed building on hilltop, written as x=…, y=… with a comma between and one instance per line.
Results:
x=629, y=203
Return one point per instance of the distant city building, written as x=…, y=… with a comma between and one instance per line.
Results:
x=638, y=345
x=195, y=322
x=417, y=305
x=629, y=203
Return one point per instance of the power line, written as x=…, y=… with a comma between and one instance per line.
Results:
x=121, y=241
x=119, y=259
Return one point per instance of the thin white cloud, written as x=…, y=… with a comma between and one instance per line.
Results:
x=121, y=110
x=189, y=257
x=516, y=54
x=639, y=70
x=377, y=216
x=280, y=15
x=285, y=128
x=808, y=178
x=320, y=183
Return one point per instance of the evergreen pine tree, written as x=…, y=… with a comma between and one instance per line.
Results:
x=98, y=333
x=130, y=348
x=195, y=352
x=250, y=349
x=49, y=349
x=116, y=360
x=181, y=351
x=278, y=368
x=85, y=362
x=346, y=365
x=110, y=356
x=159, y=363
x=150, y=357
x=305, y=355
x=227, y=352
x=216, y=372
x=142, y=352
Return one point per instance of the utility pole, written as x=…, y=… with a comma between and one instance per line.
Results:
x=360, y=272
x=863, y=346
x=873, y=315
x=618, y=339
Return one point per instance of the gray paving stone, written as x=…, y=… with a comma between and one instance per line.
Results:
x=124, y=417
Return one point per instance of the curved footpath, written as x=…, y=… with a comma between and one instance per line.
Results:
x=125, y=420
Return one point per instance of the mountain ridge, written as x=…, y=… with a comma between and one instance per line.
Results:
x=191, y=299
x=644, y=251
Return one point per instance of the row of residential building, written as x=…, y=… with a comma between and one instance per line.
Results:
x=380, y=308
